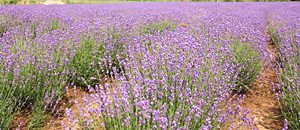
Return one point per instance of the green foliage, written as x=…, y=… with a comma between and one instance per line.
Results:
x=88, y=60
x=159, y=27
x=10, y=2
x=13, y=2
x=67, y=1
x=32, y=2
x=24, y=91
x=186, y=84
x=85, y=64
x=248, y=61
x=2, y=29
x=289, y=74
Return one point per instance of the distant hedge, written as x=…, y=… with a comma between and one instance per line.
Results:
x=9, y=2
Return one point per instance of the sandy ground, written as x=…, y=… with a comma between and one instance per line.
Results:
x=48, y=2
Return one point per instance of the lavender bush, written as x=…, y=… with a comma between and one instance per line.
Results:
x=173, y=65
x=177, y=77
x=286, y=35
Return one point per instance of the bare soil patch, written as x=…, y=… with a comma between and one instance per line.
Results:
x=261, y=99
x=67, y=102
x=23, y=117
x=70, y=102
x=53, y=122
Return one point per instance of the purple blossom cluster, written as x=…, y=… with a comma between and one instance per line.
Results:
x=175, y=65
x=286, y=35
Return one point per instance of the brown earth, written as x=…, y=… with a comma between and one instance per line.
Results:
x=23, y=116
x=68, y=101
x=261, y=99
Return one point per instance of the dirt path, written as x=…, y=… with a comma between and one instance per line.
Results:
x=261, y=99
x=69, y=101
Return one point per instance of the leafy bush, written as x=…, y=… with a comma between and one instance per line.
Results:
x=10, y=2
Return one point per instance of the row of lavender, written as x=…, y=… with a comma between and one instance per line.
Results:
x=180, y=78
x=285, y=32
x=168, y=75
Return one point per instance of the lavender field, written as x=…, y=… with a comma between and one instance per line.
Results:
x=170, y=65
